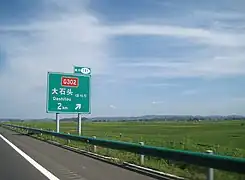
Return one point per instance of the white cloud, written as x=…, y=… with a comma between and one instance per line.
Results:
x=112, y=106
x=197, y=34
x=161, y=85
x=81, y=39
x=219, y=15
x=157, y=102
x=53, y=44
x=151, y=64
x=228, y=64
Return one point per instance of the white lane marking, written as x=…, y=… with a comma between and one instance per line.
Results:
x=44, y=171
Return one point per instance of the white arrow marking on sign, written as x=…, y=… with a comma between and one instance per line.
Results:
x=78, y=106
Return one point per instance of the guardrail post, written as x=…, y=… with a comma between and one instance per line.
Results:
x=210, y=173
x=41, y=133
x=68, y=140
x=79, y=124
x=142, y=156
x=95, y=147
x=52, y=136
x=86, y=145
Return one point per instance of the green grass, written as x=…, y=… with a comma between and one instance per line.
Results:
x=225, y=138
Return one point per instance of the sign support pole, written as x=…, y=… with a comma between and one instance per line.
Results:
x=57, y=122
x=79, y=124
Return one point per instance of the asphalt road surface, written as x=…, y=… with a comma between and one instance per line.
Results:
x=24, y=158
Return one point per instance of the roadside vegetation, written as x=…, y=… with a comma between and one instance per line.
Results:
x=223, y=137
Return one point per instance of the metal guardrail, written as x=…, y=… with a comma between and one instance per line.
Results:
x=227, y=163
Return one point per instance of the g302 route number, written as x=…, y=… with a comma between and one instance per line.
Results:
x=69, y=81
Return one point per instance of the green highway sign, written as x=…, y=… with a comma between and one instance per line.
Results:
x=82, y=70
x=68, y=93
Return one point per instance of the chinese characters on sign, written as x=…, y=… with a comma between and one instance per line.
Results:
x=68, y=92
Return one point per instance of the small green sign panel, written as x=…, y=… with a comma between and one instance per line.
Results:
x=68, y=93
x=82, y=70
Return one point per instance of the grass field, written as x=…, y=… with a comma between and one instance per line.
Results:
x=224, y=137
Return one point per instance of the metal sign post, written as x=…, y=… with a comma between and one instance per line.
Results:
x=82, y=71
x=79, y=124
x=57, y=122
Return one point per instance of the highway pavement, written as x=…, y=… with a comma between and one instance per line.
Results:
x=23, y=157
x=14, y=166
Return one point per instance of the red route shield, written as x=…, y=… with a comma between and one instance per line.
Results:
x=69, y=81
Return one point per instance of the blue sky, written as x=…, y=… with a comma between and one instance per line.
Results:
x=147, y=56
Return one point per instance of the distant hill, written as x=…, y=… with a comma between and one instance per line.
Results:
x=72, y=119
x=143, y=118
x=168, y=118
